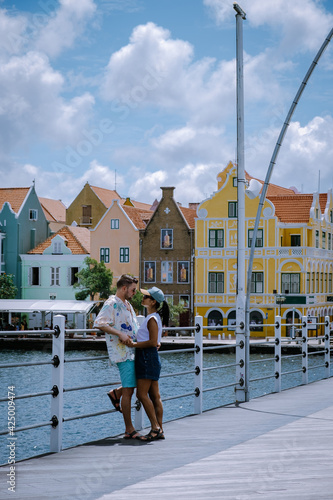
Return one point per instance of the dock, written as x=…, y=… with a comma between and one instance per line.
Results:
x=278, y=446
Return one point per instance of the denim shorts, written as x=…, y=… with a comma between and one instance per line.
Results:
x=127, y=373
x=147, y=363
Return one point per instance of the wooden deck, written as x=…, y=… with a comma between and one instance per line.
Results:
x=279, y=446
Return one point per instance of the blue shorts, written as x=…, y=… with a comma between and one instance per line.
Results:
x=147, y=363
x=127, y=373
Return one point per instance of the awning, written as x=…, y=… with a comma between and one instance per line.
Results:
x=55, y=306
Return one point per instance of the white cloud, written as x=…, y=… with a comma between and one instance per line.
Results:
x=301, y=24
x=65, y=26
x=156, y=69
x=31, y=103
x=11, y=29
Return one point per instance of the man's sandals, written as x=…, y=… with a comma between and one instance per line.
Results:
x=154, y=435
x=114, y=400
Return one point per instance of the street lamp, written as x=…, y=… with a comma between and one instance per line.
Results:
x=279, y=299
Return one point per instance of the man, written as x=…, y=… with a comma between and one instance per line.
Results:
x=118, y=321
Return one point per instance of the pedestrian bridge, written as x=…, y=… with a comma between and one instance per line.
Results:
x=279, y=446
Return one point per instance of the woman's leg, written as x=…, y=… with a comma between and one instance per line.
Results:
x=154, y=394
x=143, y=387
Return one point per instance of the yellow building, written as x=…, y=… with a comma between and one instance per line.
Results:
x=293, y=257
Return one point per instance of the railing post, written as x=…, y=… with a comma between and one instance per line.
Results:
x=58, y=359
x=277, y=352
x=327, y=347
x=139, y=413
x=304, y=350
x=198, y=362
x=242, y=365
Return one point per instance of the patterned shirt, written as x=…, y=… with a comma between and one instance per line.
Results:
x=121, y=316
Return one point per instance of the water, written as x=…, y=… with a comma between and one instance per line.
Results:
x=38, y=379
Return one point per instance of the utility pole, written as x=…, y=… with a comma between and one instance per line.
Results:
x=242, y=365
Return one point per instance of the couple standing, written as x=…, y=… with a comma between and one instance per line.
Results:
x=139, y=367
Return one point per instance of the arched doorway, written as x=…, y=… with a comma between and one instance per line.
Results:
x=215, y=318
x=232, y=320
x=292, y=317
x=256, y=321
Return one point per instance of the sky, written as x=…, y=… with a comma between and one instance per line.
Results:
x=139, y=94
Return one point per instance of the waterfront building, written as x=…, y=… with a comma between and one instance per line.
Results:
x=89, y=206
x=115, y=239
x=167, y=250
x=292, y=269
x=49, y=270
x=23, y=225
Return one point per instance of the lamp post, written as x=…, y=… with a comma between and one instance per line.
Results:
x=280, y=299
x=241, y=390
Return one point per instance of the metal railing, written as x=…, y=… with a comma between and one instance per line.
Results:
x=57, y=362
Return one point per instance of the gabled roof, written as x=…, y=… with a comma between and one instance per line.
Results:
x=292, y=209
x=14, y=196
x=189, y=215
x=138, y=216
x=322, y=201
x=77, y=238
x=296, y=209
x=105, y=195
x=273, y=189
x=54, y=210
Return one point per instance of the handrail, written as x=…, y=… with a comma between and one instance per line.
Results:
x=57, y=361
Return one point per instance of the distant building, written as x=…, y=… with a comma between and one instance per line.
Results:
x=23, y=225
x=115, y=239
x=92, y=202
x=293, y=257
x=49, y=270
x=167, y=250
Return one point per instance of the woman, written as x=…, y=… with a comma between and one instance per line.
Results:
x=147, y=362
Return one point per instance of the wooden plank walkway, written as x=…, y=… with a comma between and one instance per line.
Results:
x=279, y=446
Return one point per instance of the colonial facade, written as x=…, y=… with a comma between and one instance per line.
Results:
x=293, y=257
x=22, y=226
x=49, y=270
x=115, y=239
x=167, y=250
x=91, y=204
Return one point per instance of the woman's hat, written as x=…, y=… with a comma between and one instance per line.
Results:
x=154, y=292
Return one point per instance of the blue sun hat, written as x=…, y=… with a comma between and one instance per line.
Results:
x=154, y=292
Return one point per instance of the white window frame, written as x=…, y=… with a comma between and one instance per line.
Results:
x=55, y=276
x=33, y=214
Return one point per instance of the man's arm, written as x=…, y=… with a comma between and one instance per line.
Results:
x=123, y=337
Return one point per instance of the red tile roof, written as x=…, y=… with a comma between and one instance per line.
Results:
x=78, y=240
x=54, y=210
x=138, y=216
x=273, y=189
x=107, y=196
x=14, y=196
x=190, y=215
x=292, y=208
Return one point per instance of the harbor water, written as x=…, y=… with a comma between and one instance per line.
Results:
x=34, y=379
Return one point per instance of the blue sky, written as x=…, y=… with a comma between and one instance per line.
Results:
x=141, y=94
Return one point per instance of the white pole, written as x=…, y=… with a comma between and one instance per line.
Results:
x=241, y=390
